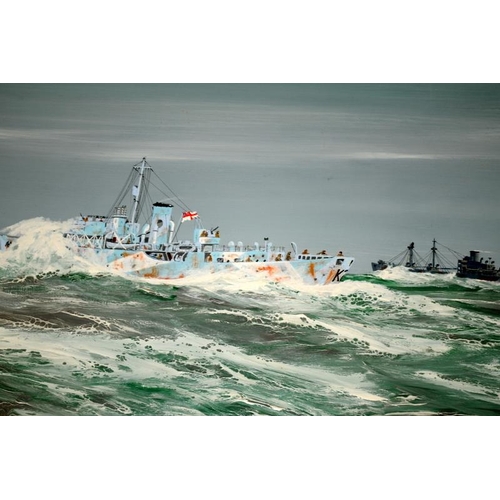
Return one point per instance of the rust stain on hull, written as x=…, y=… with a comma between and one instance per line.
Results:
x=270, y=269
x=153, y=274
x=311, y=270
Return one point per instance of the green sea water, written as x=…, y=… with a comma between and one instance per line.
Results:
x=388, y=343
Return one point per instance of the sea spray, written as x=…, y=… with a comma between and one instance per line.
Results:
x=39, y=247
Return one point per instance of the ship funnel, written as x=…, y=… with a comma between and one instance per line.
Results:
x=160, y=223
x=473, y=255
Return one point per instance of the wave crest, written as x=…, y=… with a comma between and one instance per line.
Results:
x=40, y=247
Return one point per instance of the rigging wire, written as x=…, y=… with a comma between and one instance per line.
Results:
x=416, y=257
x=454, y=252
x=126, y=187
x=181, y=203
x=439, y=260
x=400, y=255
x=423, y=262
x=133, y=180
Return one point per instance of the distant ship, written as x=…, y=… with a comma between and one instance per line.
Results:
x=149, y=249
x=435, y=262
x=472, y=266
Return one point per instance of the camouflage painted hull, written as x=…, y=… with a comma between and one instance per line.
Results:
x=321, y=271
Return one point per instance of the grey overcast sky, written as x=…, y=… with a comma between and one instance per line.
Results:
x=363, y=168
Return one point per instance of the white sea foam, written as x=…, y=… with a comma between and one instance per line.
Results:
x=404, y=275
x=362, y=294
x=374, y=339
x=459, y=385
x=41, y=248
x=86, y=354
x=293, y=294
x=348, y=297
x=231, y=279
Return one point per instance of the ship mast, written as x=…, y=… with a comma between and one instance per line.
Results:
x=410, y=254
x=135, y=214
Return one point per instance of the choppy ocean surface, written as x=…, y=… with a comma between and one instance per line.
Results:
x=77, y=340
